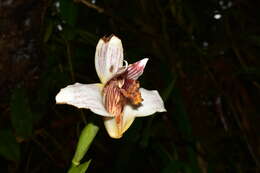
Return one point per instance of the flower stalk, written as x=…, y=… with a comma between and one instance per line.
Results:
x=86, y=138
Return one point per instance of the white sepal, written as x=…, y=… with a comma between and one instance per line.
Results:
x=108, y=57
x=86, y=96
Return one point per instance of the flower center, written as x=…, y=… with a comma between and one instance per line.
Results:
x=118, y=92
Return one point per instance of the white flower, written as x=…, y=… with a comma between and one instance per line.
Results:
x=118, y=97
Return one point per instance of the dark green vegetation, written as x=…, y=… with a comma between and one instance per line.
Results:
x=204, y=60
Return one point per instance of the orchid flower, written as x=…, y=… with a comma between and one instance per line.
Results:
x=118, y=98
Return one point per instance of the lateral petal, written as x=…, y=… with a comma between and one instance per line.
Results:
x=86, y=96
x=135, y=70
x=152, y=102
x=108, y=57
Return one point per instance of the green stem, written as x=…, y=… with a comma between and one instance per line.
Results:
x=86, y=137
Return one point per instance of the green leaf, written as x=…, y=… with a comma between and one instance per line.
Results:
x=68, y=33
x=255, y=39
x=21, y=115
x=147, y=133
x=181, y=115
x=69, y=11
x=175, y=166
x=87, y=37
x=182, y=118
x=82, y=168
x=9, y=148
x=48, y=32
x=86, y=137
x=168, y=91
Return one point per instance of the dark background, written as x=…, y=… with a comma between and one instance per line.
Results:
x=204, y=61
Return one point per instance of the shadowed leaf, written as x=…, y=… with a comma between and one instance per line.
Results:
x=22, y=119
x=9, y=148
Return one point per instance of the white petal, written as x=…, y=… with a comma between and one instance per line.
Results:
x=135, y=70
x=152, y=102
x=108, y=57
x=115, y=130
x=83, y=96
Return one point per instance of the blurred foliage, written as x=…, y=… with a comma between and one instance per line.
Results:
x=21, y=115
x=9, y=148
x=204, y=60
